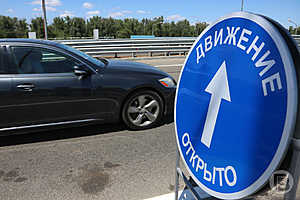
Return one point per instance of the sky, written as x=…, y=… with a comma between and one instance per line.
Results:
x=171, y=10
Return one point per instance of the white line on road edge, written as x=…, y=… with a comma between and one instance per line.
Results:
x=186, y=195
x=170, y=196
x=164, y=66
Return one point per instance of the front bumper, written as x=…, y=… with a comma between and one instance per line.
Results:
x=169, y=99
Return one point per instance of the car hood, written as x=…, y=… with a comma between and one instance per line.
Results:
x=134, y=67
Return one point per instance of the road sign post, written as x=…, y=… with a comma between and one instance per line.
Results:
x=236, y=105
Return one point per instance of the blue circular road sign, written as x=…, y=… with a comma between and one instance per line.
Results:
x=236, y=105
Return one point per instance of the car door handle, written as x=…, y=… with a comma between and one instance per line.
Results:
x=26, y=87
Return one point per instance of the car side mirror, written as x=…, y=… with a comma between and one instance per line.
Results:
x=80, y=71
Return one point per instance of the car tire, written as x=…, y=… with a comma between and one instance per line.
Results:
x=143, y=110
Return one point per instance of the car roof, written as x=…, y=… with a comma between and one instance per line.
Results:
x=31, y=41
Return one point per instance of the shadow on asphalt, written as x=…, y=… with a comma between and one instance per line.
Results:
x=66, y=133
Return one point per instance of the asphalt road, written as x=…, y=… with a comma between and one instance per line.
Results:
x=95, y=162
x=98, y=162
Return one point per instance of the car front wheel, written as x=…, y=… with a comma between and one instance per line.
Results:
x=143, y=110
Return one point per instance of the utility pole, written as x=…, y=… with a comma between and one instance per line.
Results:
x=242, y=7
x=45, y=19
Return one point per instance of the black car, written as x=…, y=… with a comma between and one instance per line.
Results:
x=45, y=84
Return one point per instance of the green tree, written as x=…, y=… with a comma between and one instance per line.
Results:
x=102, y=24
x=6, y=26
x=12, y=27
x=293, y=30
x=183, y=29
x=21, y=28
x=68, y=26
x=78, y=27
x=157, y=26
x=173, y=30
x=37, y=25
x=58, y=28
x=166, y=28
x=108, y=27
x=124, y=33
x=93, y=23
x=199, y=27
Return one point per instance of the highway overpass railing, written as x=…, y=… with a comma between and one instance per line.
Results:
x=136, y=47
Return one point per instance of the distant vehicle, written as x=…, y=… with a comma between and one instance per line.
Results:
x=45, y=84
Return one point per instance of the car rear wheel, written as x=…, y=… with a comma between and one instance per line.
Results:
x=143, y=110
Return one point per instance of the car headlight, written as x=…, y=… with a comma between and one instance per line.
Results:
x=167, y=82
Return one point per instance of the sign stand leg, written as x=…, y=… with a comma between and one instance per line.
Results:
x=294, y=170
x=185, y=179
x=177, y=175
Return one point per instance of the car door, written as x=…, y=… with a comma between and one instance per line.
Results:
x=46, y=87
x=6, y=117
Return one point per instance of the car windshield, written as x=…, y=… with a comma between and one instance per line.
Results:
x=95, y=61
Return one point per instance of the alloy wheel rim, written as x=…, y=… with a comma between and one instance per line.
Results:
x=143, y=110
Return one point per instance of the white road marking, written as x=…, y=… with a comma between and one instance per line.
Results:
x=170, y=196
x=185, y=195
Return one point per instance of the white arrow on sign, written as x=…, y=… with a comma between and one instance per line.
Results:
x=219, y=89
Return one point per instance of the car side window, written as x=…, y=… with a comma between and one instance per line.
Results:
x=4, y=68
x=34, y=60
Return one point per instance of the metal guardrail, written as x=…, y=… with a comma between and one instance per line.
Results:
x=136, y=47
x=132, y=47
x=297, y=39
